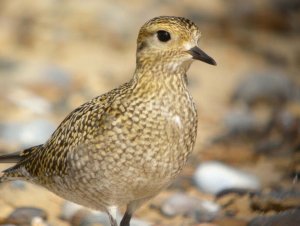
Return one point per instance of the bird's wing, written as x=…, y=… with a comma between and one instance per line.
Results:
x=74, y=131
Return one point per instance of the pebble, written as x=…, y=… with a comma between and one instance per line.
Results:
x=286, y=218
x=276, y=200
x=270, y=87
x=213, y=177
x=241, y=122
x=26, y=216
x=182, y=204
x=27, y=134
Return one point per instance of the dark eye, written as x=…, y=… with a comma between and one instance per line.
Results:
x=163, y=36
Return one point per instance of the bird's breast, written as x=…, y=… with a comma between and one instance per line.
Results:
x=167, y=135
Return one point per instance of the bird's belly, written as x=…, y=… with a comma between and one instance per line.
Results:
x=137, y=174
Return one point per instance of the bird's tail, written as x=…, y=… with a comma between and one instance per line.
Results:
x=18, y=158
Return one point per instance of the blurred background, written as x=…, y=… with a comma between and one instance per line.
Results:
x=56, y=55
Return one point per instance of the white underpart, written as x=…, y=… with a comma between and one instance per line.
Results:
x=177, y=121
x=113, y=211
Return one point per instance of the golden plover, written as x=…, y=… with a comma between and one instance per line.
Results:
x=125, y=146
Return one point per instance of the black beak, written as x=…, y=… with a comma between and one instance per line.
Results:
x=198, y=54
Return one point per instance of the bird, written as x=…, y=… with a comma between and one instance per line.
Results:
x=123, y=147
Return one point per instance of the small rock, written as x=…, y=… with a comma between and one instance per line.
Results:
x=181, y=204
x=25, y=216
x=286, y=218
x=241, y=122
x=18, y=184
x=270, y=87
x=27, y=134
x=276, y=201
x=213, y=177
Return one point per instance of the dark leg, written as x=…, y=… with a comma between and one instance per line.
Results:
x=126, y=219
x=131, y=208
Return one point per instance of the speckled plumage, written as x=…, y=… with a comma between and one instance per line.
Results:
x=123, y=147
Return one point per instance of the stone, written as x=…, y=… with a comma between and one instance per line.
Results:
x=270, y=87
x=241, y=121
x=213, y=177
x=23, y=216
x=286, y=218
x=277, y=200
x=182, y=204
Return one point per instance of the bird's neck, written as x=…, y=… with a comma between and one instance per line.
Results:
x=157, y=78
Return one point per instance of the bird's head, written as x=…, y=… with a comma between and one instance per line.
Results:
x=170, y=41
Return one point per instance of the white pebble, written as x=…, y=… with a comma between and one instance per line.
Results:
x=213, y=177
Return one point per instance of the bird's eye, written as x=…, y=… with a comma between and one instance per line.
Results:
x=163, y=36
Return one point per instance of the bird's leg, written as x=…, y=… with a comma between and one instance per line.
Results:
x=112, y=213
x=126, y=219
x=131, y=208
x=113, y=221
